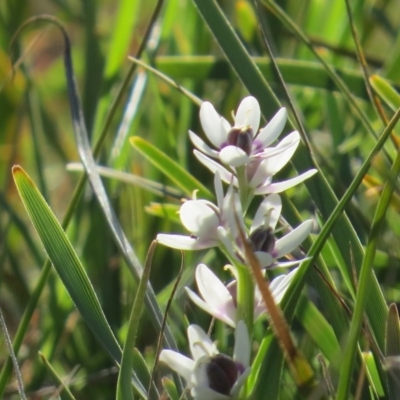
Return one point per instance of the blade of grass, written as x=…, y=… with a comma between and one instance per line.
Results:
x=60, y=382
x=124, y=388
x=65, y=261
x=184, y=180
x=295, y=72
x=365, y=280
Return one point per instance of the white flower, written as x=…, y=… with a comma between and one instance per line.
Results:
x=209, y=374
x=243, y=145
x=220, y=301
x=267, y=249
x=208, y=224
x=238, y=144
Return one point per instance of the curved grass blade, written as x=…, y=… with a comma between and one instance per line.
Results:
x=67, y=265
x=65, y=261
x=170, y=168
x=88, y=162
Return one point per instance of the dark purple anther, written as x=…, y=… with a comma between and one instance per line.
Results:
x=241, y=137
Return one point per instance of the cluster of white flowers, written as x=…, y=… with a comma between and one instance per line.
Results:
x=245, y=158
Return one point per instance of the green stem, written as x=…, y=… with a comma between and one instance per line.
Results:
x=245, y=297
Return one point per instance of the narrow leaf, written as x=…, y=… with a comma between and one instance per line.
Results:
x=67, y=264
x=170, y=168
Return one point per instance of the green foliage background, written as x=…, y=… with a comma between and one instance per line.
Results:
x=340, y=123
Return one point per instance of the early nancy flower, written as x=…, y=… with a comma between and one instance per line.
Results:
x=238, y=144
x=220, y=300
x=207, y=223
x=209, y=374
x=242, y=146
x=267, y=248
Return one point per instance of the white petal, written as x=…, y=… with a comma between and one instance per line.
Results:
x=239, y=383
x=200, y=344
x=199, y=218
x=248, y=113
x=270, y=208
x=219, y=191
x=264, y=258
x=202, y=146
x=222, y=316
x=260, y=177
x=280, y=284
x=214, y=292
x=288, y=145
x=242, y=350
x=185, y=242
x=233, y=156
x=288, y=264
x=293, y=239
x=212, y=124
x=213, y=166
x=282, y=186
x=178, y=362
x=273, y=129
x=205, y=393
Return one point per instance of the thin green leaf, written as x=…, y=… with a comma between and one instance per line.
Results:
x=296, y=72
x=386, y=92
x=124, y=388
x=318, y=328
x=67, y=264
x=59, y=380
x=170, y=168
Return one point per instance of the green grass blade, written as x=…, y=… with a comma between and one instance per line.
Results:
x=67, y=264
x=171, y=169
x=66, y=392
x=318, y=328
x=65, y=261
x=365, y=280
x=124, y=389
x=296, y=72
x=386, y=92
